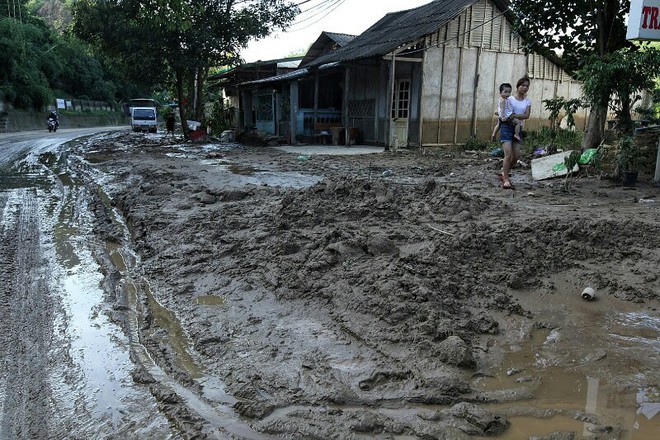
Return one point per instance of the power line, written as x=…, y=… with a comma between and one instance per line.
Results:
x=327, y=7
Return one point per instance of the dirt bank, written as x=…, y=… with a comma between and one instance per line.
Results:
x=372, y=296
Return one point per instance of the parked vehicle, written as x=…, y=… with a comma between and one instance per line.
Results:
x=144, y=119
x=52, y=124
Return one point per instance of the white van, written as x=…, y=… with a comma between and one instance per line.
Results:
x=144, y=119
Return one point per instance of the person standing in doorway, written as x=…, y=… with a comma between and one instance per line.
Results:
x=521, y=109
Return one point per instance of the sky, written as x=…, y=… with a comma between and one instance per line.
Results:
x=340, y=16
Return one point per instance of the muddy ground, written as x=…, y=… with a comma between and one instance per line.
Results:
x=394, y=295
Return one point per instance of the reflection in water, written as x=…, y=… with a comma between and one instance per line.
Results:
x=98, y=352
x=647, y=407
x=592, y=403
x=176, y=337
x=560, y=394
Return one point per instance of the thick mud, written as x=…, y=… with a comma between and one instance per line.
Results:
x=392, y=295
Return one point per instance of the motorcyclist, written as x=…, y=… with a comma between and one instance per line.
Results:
x=53, y=115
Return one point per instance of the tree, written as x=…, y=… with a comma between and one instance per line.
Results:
x=621, y=75
x=22, y=81
x=577, y=32
x=179, y=39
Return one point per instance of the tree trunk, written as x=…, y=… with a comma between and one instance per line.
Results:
x=201, y=74
x=182, y=107
x=593, y=134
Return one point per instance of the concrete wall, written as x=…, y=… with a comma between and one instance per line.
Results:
x=17, y=120
x=461, y=90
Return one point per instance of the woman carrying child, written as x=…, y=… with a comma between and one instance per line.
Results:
x=511, y=141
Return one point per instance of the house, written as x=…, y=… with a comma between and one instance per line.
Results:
x=420, y=77
x=261, y=104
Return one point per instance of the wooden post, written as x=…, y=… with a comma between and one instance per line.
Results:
x=458, y=92
x=388, y=109
x=293, y=108
x=657, y=165
x=347, y=76
x=442, y=77
x=316, y=97
x=475, y=98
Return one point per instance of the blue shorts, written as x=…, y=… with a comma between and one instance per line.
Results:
x=506, y=132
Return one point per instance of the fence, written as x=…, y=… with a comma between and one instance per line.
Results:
x=81, y=105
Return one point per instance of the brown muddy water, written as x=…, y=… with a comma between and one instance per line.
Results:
x=561, y=395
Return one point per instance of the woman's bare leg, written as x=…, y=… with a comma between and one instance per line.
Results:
x=508, y=157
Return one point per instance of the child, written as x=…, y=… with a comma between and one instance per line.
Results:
x=504, y=112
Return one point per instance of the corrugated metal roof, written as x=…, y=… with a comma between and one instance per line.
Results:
x=340, y=39
x=323, y=42
x=319, y=45
x=288, y=64
x=277, y=78
x=279, y=62
x=396, y=29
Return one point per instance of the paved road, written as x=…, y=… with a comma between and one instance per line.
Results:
x=13, y=145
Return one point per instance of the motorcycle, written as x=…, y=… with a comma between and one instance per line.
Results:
x=52, y=124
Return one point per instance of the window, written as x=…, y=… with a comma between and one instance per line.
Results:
x=265, y=108
x=144, y=114
x=401, y=100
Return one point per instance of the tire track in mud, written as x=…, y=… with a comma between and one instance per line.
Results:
x=179, y=396
x=27, y=321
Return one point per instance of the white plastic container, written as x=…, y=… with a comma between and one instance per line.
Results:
x=588, y=294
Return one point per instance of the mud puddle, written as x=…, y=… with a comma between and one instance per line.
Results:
x=572, y=400
x=98, y=347
x=247, y=175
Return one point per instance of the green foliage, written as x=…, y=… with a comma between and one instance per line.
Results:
x=178, y=40
x=22, y=81
x=553, y=140
x=474, y=144
x=556, y=105
x=630, y=155
x=651, y=112
x=570, y=32
x=575, y=29
x=221, y=117
x=37, y=61
x=569, y=162
x=621, y=75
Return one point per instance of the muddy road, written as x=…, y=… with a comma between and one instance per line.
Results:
x=160, y=289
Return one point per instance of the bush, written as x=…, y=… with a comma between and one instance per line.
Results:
x=472, y=144
x=221, y=117
x=553, y=140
